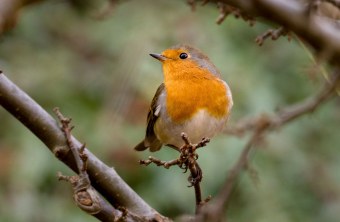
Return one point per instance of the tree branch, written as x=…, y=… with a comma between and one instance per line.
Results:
x=105, y=179
x=288, y=113
x=320, y=33
x=214, y=210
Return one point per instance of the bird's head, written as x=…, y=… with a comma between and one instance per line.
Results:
x=183, y=61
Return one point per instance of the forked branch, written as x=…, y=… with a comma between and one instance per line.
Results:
x=186, y=161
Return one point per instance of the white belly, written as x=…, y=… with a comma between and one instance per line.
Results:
x=199, y=126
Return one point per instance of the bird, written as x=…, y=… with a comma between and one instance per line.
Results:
x=193, y=99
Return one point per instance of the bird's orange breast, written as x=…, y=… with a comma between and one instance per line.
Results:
x=185, y=98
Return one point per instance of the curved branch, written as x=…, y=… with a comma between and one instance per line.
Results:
x=288, y=113
x=320, y=33
x=214, y=210
x=103, y=178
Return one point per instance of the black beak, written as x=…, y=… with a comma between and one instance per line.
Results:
x=158, y=57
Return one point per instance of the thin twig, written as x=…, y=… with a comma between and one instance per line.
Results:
x=289, y=113
x=187, y=161
x=66, y=128
x=84, y=195
x=226, y=9
x=215, y=209
x=223, y=198
x=274, y=34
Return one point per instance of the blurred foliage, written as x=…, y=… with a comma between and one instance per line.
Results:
x=99, y=73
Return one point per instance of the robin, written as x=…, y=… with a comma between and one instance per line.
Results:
x=193, y=99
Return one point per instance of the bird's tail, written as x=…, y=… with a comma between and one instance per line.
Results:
x=154, y=146
x=141, y=146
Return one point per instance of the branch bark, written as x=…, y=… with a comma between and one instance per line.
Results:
x=320, y=33
x=103, y=178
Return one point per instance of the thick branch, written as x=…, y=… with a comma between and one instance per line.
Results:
x=319, y=33
x=103, y=178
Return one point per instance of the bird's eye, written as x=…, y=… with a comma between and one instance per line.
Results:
x=183, y=56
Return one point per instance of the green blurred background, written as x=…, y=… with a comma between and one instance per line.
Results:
x=100, y=74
